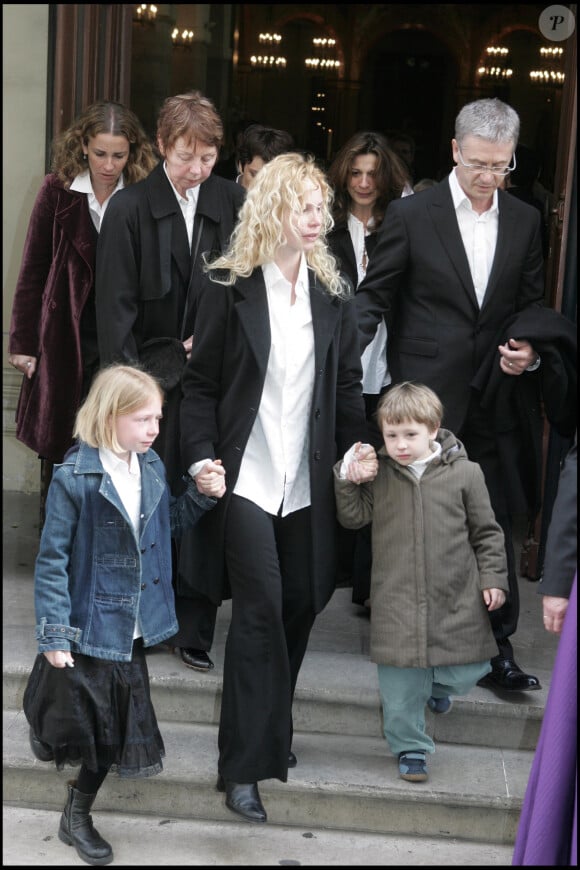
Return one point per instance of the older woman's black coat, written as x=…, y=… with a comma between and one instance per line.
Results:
x=144, y=270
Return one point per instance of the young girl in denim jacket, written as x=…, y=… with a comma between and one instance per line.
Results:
x=103, y=593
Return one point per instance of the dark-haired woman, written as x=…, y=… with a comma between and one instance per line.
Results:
x=366, y=175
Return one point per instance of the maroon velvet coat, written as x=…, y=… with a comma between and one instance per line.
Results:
x=55, y=282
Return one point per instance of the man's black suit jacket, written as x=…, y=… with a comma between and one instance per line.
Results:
x=419, y=278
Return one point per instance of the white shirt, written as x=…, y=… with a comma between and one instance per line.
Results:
x=374, y=358
x=275, y=470
x=188, y=204
x=418, y=467
x=127, y=481
x=479, y=235
x=82, y=184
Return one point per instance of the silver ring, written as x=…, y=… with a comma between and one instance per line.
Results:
x=510, y=364
x=28, y=364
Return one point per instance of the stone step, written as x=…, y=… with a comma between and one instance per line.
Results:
x=342, y=782
x=330, y=698
x=30, y=839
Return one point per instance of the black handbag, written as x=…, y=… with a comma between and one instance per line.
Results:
x=164, y=358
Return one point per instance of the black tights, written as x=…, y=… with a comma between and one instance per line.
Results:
x=90, y=781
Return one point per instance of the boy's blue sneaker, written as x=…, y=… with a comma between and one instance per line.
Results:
x=412, y=766
x=440, y=705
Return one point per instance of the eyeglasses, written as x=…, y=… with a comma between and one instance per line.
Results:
x=502, y=171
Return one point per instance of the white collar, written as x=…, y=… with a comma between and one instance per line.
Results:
x=112, y=462
x=192, y=192
x=460, y=197
x=82, y=184
x=273, y=276
x=436, y=451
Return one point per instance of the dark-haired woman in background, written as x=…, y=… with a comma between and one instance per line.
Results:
x=366, y=175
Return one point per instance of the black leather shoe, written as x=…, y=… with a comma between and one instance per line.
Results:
x=292, y=760
x=41, y=750
x=197, y=659
x=243, y=798
x=505, y=674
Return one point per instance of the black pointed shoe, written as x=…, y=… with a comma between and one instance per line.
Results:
x=507, y=676
x=197, y=659
x=243, y=798
x=292, y=760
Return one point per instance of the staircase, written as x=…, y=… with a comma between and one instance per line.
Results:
x=346, y=778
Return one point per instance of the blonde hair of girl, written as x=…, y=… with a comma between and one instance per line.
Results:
x=115, y=391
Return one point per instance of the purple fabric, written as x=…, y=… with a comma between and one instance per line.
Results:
x=547, y=832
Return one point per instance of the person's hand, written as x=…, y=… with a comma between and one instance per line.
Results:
x=211, y=480
x=554, y=612
x=364, y=465
x=60, y=658
x=23, y=362
x=493, y=598
x=188, y=344
x=516, y=356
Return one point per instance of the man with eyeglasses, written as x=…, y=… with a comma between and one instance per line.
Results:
x=451, y=266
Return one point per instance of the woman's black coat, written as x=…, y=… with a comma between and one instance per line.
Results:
x=222, y=387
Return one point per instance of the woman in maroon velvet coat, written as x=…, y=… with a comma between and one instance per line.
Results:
x=52, y=337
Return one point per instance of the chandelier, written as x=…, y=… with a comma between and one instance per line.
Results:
x=182, y=38
x=550, y=74
x=145, y=13
x=324, y=55
x=271, y=59
x=496, y=65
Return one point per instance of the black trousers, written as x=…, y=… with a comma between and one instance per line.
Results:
x=362, y=547
x=196, y=617
x=196, y=613
x=480, y=442
x=268, y=561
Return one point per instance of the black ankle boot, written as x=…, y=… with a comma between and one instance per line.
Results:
x=243, y=798
x=76, y=828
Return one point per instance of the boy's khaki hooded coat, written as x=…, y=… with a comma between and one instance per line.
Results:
x=436, y=546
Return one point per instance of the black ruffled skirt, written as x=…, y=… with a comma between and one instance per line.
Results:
x=98, y=714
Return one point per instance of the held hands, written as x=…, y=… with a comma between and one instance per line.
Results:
x=188, y=344
x=362, y=466
x=211, y=480
x=516, y=356
x=494, y=598
x=60, y=658
x=554, y=612
x=23, y=362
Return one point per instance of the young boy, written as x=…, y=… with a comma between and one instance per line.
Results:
x=438, y=565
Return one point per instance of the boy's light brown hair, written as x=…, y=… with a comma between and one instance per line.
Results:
x=410, y=402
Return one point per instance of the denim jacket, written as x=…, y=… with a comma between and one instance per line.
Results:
x=93, y=574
